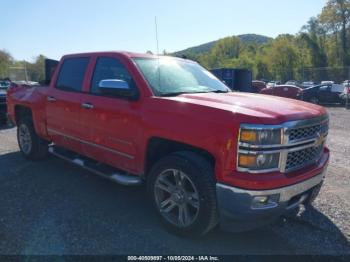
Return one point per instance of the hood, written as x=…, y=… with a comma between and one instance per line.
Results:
x=260, y=108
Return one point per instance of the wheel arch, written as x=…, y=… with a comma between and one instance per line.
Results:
x=158, y=148
x=22, y=111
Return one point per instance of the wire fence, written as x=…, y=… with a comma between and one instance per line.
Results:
x=319, y=74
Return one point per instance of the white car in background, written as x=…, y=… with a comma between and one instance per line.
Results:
x=327, y=82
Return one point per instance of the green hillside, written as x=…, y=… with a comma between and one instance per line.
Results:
x=204, y=48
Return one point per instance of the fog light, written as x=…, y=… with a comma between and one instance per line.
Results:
x=262, y=202
x=262, y=199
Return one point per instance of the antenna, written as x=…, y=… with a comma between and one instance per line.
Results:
x=156, y=27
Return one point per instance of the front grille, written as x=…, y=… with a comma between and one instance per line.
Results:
x=302, y=144
x=2, y=99
x=301, y=158
x=309, y=132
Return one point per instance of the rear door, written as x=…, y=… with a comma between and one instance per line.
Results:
x=324, y=94
x=112, y=124
x=336, y=90
x=64, y=103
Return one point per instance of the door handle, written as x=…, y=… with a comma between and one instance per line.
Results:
x=87, y=105
x=51, y=99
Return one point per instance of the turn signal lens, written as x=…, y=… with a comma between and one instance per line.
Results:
x=248, y=136
x=247, y=160
x=258, y=162
x=260, y=136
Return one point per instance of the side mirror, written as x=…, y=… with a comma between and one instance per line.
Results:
x=117, y=88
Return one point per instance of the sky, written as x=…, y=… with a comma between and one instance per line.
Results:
x=54, y=28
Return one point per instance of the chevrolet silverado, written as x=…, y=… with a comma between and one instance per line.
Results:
x=208, y=156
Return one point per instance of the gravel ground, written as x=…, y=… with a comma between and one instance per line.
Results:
x=52, y=207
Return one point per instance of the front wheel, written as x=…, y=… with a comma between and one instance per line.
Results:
x=182, y=189
x=30, y=144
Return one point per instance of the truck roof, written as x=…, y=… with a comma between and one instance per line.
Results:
x=124, y=53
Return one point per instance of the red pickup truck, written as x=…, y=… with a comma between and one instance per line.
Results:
x=209, y=156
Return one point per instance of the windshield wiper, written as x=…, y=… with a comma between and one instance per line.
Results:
x=180, y=93
x=219, y=91
x=194, y=92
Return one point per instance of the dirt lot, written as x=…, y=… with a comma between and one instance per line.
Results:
x=52, y=207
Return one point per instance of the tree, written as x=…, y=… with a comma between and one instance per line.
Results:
x=335, y=17
x=282, y=57
x=223, y=51
x=5, y=62
x=36, y=70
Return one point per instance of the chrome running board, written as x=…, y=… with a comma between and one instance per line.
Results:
x=97, y=168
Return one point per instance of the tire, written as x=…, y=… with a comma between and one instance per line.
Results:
x=195, y=194
x=30, y=144
x=314, y=100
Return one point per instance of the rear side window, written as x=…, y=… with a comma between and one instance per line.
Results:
x=337, y=88
x=109, y=68
x=72, y=74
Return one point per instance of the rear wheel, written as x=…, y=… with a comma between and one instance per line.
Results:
x=182, y=189
x=30, y=144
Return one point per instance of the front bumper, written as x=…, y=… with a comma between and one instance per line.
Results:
x=242, y=209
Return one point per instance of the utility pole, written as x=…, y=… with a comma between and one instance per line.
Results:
x=25, y=70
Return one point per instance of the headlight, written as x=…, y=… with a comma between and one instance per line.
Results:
x=257, y=136
x=258, y=161
x=260, y=136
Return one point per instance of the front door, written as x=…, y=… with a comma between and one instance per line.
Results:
x=63, y=104
x=112, y=123
x=324, y=94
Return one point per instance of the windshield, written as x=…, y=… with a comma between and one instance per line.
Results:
x=171, y=76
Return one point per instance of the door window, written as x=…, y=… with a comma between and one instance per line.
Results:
x=109, y=68
x=324, y=88
x=337, y=88
x=72, y=74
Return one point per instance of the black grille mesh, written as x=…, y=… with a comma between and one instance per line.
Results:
x=308, y=132
x=303, y=157
x=2, y=99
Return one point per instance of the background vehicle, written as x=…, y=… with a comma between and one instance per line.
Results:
x=257, y=86
x=203, y=151
x=292, y=83
x=307, y=84
x=4, y=85
x=283, y=91
x=346, y=83
x=345, y=96
x=272, y=84
x=323, y=94
x=327, y=82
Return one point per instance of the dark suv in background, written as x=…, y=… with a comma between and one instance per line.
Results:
x=4, y=85
x=323, y=94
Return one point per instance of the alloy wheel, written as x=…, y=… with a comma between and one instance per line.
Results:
x=177, y=197
x=25, y=140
